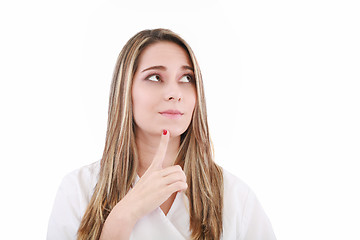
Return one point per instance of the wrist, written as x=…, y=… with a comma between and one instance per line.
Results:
x=125, y=213
x=119, y=223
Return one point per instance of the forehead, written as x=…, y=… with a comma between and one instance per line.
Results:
x=162, y=53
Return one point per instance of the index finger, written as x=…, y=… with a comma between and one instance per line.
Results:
x=161, y=151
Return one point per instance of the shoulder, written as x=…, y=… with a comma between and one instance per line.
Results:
x=243, y=215
x=81, y=180
x=87, y=171
x=84, y=176
x=72, y=198
x=234, y=185
x=236, y=196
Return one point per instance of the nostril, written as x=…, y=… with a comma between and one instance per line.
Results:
x=172, y=98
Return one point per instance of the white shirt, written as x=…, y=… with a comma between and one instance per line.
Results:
x=243, y=216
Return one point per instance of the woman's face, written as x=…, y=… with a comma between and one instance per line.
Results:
x=163, y=90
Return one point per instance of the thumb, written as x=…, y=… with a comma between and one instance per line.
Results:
x=161, y=151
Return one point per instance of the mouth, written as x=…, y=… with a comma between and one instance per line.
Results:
x=172, y=114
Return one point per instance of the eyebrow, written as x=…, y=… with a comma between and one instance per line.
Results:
x=163, y=68
x=154, y=67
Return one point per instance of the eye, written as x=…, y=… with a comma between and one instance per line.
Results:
x=186, y=78
x=154, y=78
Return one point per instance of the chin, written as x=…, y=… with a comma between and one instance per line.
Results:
x=176, y=131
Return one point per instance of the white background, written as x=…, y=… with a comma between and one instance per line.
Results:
x=282, y=88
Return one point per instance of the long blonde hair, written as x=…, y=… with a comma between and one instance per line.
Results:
x=119, y=160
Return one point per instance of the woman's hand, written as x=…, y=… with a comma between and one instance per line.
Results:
x=154, y=188
x=157, y=184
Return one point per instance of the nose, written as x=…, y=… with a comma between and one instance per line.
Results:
x=173, y=92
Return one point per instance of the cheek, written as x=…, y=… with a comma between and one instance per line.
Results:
x=191, y=99
x=142, y=100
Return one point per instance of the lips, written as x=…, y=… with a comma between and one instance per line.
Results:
x=172, y=114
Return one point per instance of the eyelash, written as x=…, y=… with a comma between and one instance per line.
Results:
x=159, y=77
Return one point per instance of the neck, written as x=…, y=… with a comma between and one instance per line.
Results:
x=147, y=146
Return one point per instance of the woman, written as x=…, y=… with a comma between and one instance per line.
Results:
x=157, y=178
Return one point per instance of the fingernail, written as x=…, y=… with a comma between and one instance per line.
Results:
x=164, y=132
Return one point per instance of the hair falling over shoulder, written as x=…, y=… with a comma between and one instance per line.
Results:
x=119, y=160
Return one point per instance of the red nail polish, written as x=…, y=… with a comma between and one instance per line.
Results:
x=164, y=132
